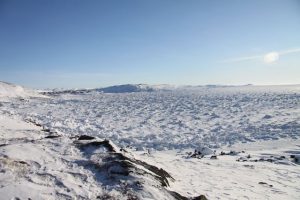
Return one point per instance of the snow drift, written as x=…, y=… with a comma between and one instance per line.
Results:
x=8, y=90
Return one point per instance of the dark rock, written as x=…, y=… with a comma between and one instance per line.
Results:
x=201, y=197
x=267, y=117
x=249, y=166
x=162, y=175
x=105, y=197
x=86, y=137
x=264, y=183
x=233, y=153
x=123, y=150
x=214, y=157
x=46, y=130
x=196, y=154
x=52, y=136
x=230, y=153
x=178, y=196
x=97, y=144
x=242, y=159
x=23, y=162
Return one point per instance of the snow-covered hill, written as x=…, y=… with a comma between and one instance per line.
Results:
x=125, y=88
x=9, y=90
x=128, y=88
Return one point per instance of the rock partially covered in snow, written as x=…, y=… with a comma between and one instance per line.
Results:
x=131, y=177
x=201, y=152
x=205, y=151
x=296, y=158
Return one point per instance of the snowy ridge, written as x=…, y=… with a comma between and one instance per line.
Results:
x=8, y=90
x=135, y=88
x=126, y=88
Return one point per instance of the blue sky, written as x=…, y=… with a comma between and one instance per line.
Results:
x=76, y=43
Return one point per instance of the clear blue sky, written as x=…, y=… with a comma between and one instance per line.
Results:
x=60, y=43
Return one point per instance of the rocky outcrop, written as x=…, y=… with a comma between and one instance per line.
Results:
x=134, y=178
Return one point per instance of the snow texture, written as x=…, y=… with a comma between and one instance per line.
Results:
x=158, y=142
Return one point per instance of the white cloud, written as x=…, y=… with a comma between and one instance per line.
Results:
x=289, y=51
x=240, y=59
x=268, y=58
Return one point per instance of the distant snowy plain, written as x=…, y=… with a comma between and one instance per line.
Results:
x=175, y=119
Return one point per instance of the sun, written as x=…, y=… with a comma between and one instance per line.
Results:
x=271, y=57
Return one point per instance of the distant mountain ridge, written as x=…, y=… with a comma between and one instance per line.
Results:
x=125, y=88
x=133, y=88
x=12, y=90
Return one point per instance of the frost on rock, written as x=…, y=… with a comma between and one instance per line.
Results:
x=133, y=178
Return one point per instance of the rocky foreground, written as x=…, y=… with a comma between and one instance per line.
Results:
x=39, y=164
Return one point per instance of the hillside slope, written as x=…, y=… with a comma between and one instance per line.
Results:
x=9, y=90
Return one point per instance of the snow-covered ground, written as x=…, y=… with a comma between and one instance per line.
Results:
x=268, y=173
x=222, y=142
x=35, y=164
x=171, y=119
